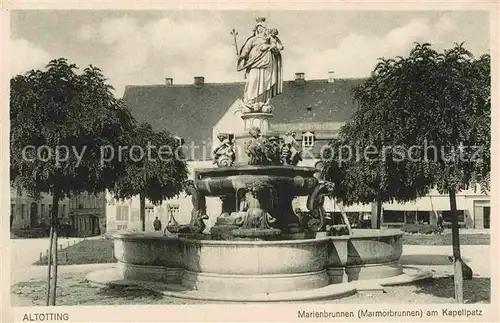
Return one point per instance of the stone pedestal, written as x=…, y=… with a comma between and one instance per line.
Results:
x=250, y=120
x=257, y=119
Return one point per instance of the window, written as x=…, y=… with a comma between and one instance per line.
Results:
x=149, y=213
x=135, y=215
x=173, y=210
x=486, y=217
x=336, y=217
x=23, y=209
x=447, y=216
x=423, y=217
x=389, y=216
x=63, y=210
x=308, y=140
x=121, y=227
x=42, y=209
x=122, y=213
x=411, y=217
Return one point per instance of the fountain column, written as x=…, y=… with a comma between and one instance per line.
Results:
x=251, y=120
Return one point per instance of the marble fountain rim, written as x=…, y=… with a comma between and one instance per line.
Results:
x=146, y=237
x=151, y=236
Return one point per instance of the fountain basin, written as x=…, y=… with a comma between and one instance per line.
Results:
x=252, y=267
x=297, y=181
x=374, y=254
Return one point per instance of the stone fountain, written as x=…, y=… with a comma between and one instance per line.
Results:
x=258, y=249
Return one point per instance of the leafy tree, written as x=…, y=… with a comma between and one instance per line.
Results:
x=60, y=119
x=155, y=168
x=366, y=168
x=439, y=105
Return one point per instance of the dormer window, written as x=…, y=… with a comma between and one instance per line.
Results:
x=307, y=140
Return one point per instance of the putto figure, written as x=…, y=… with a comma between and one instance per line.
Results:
x=262, y=150
x=254, y=147
x=260, y=58
x=291, y=153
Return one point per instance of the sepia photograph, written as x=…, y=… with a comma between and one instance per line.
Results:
x=259, y=157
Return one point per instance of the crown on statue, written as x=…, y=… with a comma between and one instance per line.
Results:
x=260, y=21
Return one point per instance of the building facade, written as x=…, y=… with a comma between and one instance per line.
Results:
x=27, y=212
x=87, y=215
x=315, y=110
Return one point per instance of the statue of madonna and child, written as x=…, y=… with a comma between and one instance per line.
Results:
x=260, y=58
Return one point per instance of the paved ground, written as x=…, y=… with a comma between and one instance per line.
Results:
x=476, y=256
x=469, y=231
x=24, y=252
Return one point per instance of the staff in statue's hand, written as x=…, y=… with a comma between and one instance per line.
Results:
x=235, y=33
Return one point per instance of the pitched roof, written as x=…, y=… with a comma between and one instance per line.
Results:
x=191, y=111
x=315, y=101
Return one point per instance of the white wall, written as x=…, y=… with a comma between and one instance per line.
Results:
x=230, y=122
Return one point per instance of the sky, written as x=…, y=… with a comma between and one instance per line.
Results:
x=145, y=47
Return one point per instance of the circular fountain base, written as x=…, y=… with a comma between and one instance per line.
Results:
x=114, y=278
x=249, y=270
x=254, y=284
x=373, y=271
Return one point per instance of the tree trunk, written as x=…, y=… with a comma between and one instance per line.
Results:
x=49, y=264
x=54, y=259
x=457, y=261
x=379, y=213
x=54, y=224
x=376, y=214
x=142, y=199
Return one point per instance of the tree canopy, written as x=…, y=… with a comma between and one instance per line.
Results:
x=426, y=120
x=154, y=165
x=60, y=120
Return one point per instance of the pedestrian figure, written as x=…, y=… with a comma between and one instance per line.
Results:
x=440, y=221
x=157, y=224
